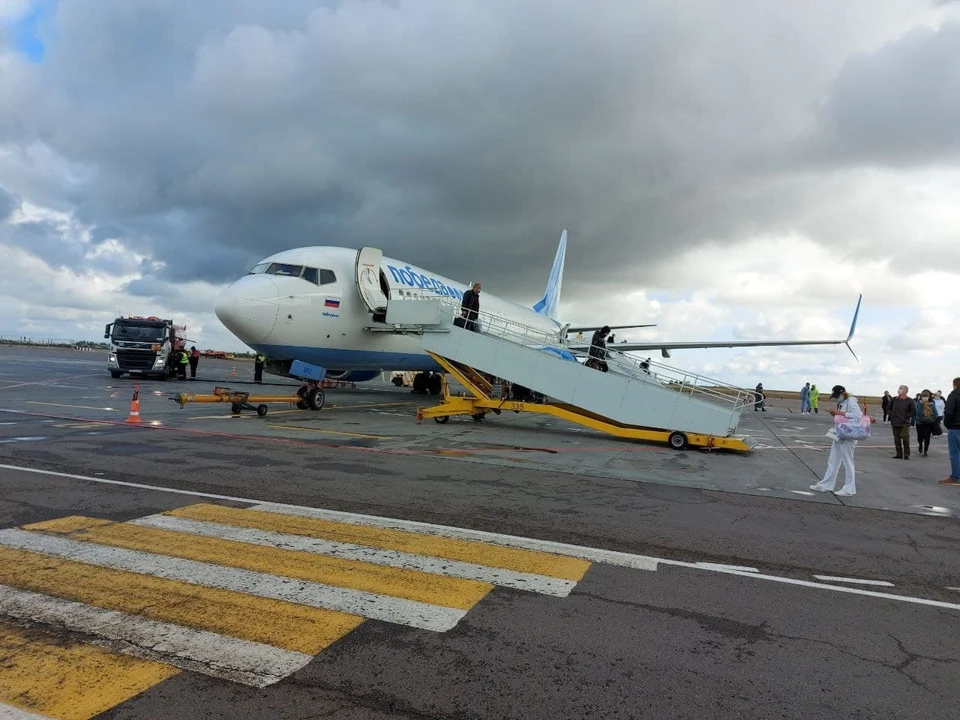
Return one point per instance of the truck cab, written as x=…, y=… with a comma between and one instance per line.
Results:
x=142, y=346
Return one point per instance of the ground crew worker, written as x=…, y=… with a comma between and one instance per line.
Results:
x=258, y=368
x=194, y=361
x=184, y=361
x=815, y=399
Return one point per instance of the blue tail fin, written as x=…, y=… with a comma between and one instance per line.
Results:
x=550, y=303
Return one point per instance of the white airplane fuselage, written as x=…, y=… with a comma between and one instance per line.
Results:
x=294, y=318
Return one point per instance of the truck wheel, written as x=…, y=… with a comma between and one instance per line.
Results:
x=316, y=399
x=261, y=410
x=442, y=419
x=235, y=408
x=677, y=440
x=435, y=384
x=115, y=374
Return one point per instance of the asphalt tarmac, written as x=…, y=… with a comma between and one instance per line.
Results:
x=581, y=577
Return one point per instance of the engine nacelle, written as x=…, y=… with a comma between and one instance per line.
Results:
x=353, y=375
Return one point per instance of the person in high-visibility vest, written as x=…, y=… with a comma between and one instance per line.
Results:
x=258, y=368
x=184, y=361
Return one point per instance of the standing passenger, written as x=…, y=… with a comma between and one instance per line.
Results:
x=805, y=399
x=926, y=415
x=951, y=420
x=885, y=404
x=902, y=412
x=258, y=368
x=841, y=451
x=760, y=398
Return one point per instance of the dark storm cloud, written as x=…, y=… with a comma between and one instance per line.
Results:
x=899, y=104
x=457, y=136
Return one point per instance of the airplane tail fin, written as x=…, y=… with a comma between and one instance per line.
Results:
x=550, y=304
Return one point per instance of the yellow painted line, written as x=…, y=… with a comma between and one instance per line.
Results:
x=68, y=680
x=81, y=407
x=396, y=582
x=530, y=561
x=284, y=625
x=329, y=432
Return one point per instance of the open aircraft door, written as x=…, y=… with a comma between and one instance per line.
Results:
x=368, y=280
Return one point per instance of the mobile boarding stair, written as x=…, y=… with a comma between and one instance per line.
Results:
x=641, y=401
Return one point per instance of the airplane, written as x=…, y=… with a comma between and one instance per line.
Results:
x=325, y=305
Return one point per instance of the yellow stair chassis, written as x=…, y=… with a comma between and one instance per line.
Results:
x=479, y=404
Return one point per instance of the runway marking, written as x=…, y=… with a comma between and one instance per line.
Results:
x=68, y=680
x=854, y=581
x=370, y=405
x=451, y=568
x=329, y=432
x=25, y=438
x=641, y=562
x=354, y=602
x=284, y=625
x=269, y=518
x=244, y=417
x=353, y=574
x=79, y=407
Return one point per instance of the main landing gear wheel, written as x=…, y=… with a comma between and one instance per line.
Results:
x=677, y=440
x=316, y=399
x=442, y=419
x=435, y=384
x=261, y=410
x=420, y=383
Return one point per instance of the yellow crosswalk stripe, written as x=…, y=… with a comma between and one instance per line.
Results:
x=66, y=680
x=409, y=584
x=282, y=624
x=529, y=561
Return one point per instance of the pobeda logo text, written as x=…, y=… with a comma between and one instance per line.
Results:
x=407, y=276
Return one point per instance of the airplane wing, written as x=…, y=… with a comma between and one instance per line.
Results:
x=665, y=346
x=612, y=327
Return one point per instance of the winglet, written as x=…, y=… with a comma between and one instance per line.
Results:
x=550, y=303
x=853, y=328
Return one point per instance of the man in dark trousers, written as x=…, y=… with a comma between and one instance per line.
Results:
x=885, y=404
x=951, y=420
x=258, y=368
x=597, y=354
x=902, y=411
x=470, y=308
x=194, y=361
x=759, y=398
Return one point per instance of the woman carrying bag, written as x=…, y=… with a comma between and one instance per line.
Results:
x=926, y=421
x=850, y=425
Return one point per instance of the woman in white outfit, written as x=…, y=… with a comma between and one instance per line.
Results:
x=841, y=452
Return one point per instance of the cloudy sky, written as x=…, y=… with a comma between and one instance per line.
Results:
x=740, y=169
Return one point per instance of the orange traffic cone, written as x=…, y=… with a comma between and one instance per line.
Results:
x=233, y=373
x=134, y=418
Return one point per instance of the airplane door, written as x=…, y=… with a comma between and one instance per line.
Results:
x=368, y=279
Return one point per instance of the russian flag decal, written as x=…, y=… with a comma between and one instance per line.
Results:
x=332, y=303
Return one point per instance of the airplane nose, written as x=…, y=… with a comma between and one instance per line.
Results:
x=249, y=308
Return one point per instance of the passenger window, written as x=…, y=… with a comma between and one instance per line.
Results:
x=327, y=277
x=310, y=275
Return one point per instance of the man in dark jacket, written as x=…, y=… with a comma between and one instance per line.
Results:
x=597, y=354
x=885, y=404
x=902, y=411
x=951, y=420
x=470, y=307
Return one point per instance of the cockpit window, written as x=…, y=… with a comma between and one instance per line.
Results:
x=284, y=269
x=259, y=269
x=311, y=275
x=327, y=277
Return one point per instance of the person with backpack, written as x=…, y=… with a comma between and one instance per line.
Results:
x=926, y=415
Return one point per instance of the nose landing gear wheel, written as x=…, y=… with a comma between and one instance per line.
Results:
x=677, y=440
x=315, y=399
